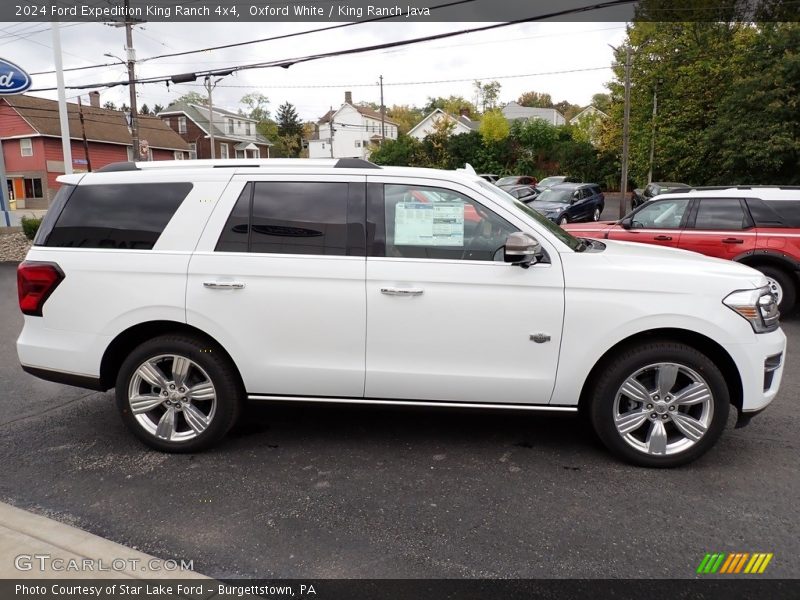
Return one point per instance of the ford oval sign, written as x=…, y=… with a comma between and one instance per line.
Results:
x=13, y=80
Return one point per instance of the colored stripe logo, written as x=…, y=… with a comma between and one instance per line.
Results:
x=734, y=563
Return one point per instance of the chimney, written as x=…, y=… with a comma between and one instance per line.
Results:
x=464, y=112
x=94, y=99
x=348, y=97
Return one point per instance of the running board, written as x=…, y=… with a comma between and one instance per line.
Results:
x=436, y=403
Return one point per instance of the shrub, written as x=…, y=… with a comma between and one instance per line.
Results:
x=30, y=225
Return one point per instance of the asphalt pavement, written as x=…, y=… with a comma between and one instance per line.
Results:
x=363, y=492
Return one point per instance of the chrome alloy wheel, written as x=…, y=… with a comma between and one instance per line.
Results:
x=776, y=289
x=663, y=409
x=172, y=397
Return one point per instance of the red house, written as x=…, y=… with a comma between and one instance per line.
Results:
x=31, y=136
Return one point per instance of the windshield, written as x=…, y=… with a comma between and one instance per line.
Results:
x=509, y=200
x=548, y=181
x=551, y=195
x=507, y=181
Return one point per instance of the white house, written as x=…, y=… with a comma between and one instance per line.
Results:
x=589, y=120
x=514, y=112
x=462, y=124
x=350, y=132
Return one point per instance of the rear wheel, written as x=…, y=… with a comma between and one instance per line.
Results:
x=563, y=220
x=660, y=404
x=782, y=285
x=596, y=214
x=178, y=393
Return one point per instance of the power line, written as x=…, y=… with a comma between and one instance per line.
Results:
x=259, y=41
x=286, y=63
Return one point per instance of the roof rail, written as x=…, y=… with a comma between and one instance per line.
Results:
x=713, y=188
x=118, y=166
x=355, y=163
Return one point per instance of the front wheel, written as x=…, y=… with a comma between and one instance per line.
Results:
x=563, y=220
x=596, y=214
x=178, y=393
x=660, y=404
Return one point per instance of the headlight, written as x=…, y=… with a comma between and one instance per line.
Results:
x=759, y=307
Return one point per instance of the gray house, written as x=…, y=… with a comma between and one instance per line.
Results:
x=515, y=112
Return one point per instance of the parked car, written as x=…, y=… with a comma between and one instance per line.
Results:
x=570, y=203
x=506, y=182
x=525, y=193
x=548, y=182
x=640, y=196
x=490, y=177
x=756, y=226
x=190, y=288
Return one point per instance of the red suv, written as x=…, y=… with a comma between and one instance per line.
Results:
x=756, y=226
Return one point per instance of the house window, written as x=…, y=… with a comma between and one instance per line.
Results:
x=240, y=154
x=33, y=188
x=323, y=145
x=230, y=126
x=358, y=143
x=223, y=151
x=181, y=124
x=178, y=155
x=193, y=151
x=248, y=130
x=26, y=147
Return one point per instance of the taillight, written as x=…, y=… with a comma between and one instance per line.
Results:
x=35, y=282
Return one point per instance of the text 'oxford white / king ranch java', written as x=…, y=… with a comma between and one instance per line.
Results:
x=13, y=79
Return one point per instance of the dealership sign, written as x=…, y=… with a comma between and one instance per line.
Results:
x=13, y=79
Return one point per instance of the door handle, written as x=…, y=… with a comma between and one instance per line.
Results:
x=733, y=241
x=401, y=291
x=223, y=285
x=663, y=238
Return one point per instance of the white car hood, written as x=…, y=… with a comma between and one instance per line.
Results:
x=658, y=268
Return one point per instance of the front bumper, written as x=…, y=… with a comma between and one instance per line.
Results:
x=760, y=366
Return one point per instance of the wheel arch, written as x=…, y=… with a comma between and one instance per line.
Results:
x=700, y=342
x=122, y=345
x=753, y=258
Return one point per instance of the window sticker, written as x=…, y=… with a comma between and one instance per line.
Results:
x=429, y=224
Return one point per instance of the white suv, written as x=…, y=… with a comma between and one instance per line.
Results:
x=193, y=286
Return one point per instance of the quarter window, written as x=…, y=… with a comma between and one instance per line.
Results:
x=121, y=216
x=436, y=223
x=288, y=218
x=722, y=213
x=664, y=214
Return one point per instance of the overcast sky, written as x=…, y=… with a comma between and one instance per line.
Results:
x=517, y=56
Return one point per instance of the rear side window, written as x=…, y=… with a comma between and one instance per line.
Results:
x=120, y=216
x=722, y=213
x=288, y=218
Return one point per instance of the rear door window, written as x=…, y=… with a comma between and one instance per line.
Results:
x=118, y=216
x=721, y=214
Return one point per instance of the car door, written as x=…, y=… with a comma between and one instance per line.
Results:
x=278, y=280
x=656, y=222
x=720, y=227
x=447, y=319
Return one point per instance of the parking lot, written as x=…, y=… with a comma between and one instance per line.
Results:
x=362, y=492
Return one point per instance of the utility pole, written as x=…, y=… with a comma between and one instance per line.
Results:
x=83, y=135
x=625, y=133
x=209, y=85
x=383, y=114
x=331, y=126
x=62, y=100
x=653, y=136
x=130, y=55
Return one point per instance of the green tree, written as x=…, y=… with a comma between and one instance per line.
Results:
x=157, y=108
x=494, y=126
x=402, y=152
x=535, y=100
x=452, y=105
x=255, y=106
x=110, y=105
x=288, y=121
x=192, y=98
x=144, y=110
x=486, y=94
x=405, y=116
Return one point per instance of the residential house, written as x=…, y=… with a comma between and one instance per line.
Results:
x=516, y=112
x=235, y=136
x=30, y=131
x=461, y=124
x=350, y=132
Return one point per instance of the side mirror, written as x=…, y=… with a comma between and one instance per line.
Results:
x=626, y=223
x=522, y=249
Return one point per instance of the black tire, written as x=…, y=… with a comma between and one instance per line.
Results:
x=563, y=220
x=596, y=214
x=788, y=287
x=618, y=369
x=220, y=372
